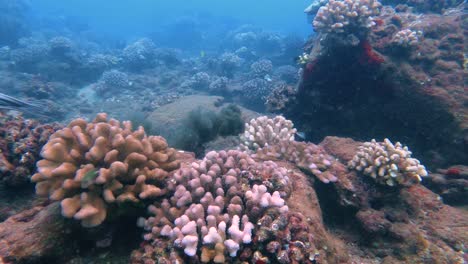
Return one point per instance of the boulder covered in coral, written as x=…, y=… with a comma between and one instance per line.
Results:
x=402, y=78
x=406, y=224
x=91, y=166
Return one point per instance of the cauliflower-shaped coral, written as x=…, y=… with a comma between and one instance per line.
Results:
x=215, y=204
x=255, y=91
x=219, y=85
x=346, y=16
x=140, y=54
x=60, y=45
x=199, y=81
x=261, y=68
x=88, y=166
x=388, y=163
x=280, y=97
x=112, y=81
x=229, y=63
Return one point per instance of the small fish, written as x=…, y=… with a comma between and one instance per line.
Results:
x=301, y=135
x=88, y=178
x=11, y=103
x=202, y=54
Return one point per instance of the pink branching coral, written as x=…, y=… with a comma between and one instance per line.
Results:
x=88, y=166
x=216, y=203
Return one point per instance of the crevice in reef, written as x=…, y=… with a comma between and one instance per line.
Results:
x=116, y=240
x=334, y=214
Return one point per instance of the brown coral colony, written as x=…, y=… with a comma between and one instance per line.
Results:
x=87, y=166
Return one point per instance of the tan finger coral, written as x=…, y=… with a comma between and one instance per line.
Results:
x=88, y=166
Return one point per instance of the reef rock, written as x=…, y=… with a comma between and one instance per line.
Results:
x=34, y=235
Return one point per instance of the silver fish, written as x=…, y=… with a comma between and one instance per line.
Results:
x=32, y=107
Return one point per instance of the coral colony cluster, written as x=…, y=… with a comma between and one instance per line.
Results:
x=339, y=16
x=89, y=166
x=388, y=163
x=231, y=205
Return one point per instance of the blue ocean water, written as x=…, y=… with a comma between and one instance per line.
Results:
x=136, y=18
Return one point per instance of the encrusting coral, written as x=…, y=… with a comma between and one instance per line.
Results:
x=274, y=139
x=88, y=166
x=20, y=143
x=215, y=204
x=388, y=163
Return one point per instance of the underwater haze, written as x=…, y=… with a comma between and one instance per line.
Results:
x=136, y=18
x=245, y=132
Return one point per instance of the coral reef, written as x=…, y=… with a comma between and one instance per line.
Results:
x=388, y=163
x=91, y=166
x=20, y=143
